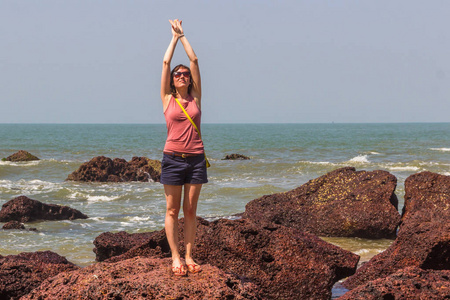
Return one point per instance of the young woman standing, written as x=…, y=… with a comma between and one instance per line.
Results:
x=183, y=164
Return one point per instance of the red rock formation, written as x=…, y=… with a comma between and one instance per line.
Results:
x=424, y=237
x=24, y=209
x=426, y=191
x=343, y=203
x=283, y=262
x=409, y=283
x=103, y=169
x=108, y=245
x=142, y=278
x=19, y=274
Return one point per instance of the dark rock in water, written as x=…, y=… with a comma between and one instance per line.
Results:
x=408, y=283
x=104, y=169
x=19, y=274
x=21, y=155
x=283, y=262
x=424, y=237
x=24, y=209
x=13, y=225
x=142, y=278
x=344, y=202
x=235, y=156
x=109, y=244
x=17, y=225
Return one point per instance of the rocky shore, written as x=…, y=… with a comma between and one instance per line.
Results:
x=272, y=252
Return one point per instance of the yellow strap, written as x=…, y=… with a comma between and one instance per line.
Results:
x=195, y=126
x=185, y=112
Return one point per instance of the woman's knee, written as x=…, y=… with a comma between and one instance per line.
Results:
x=190, y=212
x=172, y=212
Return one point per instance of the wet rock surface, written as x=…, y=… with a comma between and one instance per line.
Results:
x=235, y=156
x=424, y=237
x=21, y=155
x=408, y=283
x=344, y=202
x=142, y=278
x=19, y=274
x=24, y=209
x=104, y=169
x=14, y=225
x=282, y=262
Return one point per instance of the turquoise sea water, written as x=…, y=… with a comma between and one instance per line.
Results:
x=284, y=156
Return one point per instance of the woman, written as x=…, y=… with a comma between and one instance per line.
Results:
x=183, y=163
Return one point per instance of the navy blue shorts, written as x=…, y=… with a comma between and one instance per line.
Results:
x=176, y=170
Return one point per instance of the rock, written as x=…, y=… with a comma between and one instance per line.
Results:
x=13, y=225
x=142, y=278
x=141, y=169
x=236, y=156
x=283, y=262
x=423, y=244
x=21, y=155
x=109, y=244
x=344, y=202
x=409, y=283
x=19, y=274
x=424, y=237
x=103, y=169
x=17, y=225
x=24, y=209
x=426, y=191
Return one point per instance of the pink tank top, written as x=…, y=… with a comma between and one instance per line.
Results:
x=181, y=134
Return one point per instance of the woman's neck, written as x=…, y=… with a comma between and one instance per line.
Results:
x=182, y=94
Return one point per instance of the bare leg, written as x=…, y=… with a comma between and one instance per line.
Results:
x=173, y=204
x=191, y=195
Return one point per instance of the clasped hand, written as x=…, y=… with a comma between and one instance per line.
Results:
x=177, y=30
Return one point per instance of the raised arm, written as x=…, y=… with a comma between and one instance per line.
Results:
x=165, y=75
x=196, y=90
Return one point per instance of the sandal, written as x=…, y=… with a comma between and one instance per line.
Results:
x=194, y=268
x=179, y=271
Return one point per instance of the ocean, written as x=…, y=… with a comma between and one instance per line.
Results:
x=283, y=157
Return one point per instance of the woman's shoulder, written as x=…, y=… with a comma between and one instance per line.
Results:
x=167, y=101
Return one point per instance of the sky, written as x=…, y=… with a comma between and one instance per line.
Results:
x=293, y=61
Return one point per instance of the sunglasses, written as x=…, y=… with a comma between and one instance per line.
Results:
x=178, y=74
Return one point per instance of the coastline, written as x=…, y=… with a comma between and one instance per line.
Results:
x=283, y=157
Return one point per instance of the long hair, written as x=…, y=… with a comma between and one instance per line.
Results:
x=172, y=85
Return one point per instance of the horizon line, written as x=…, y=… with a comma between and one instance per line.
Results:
x=226, y=123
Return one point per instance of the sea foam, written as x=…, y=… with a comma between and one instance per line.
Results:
x=361, y=159
x=101, y=198
x=20, y=164
x=440, y=149
x=403, y=168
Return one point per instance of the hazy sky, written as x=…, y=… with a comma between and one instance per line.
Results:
x=93, y=61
